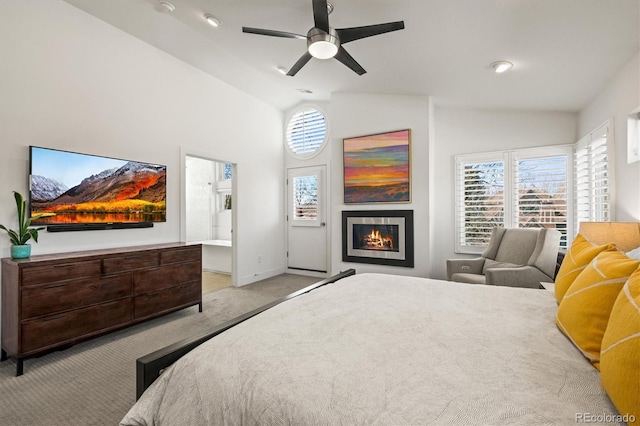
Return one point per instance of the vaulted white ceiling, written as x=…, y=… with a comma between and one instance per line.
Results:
x=564, y=51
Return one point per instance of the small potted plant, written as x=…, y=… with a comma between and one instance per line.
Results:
x=19, y=247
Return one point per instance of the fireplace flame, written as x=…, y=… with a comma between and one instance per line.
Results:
x=375, y=239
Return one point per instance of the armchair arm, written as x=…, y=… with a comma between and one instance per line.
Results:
x=467, y=266
x=523, y=276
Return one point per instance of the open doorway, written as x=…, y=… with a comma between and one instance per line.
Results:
x=208, y=217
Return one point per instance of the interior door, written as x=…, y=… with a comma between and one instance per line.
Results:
x=306, y=219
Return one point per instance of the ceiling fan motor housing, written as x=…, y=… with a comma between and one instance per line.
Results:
x=322, y=45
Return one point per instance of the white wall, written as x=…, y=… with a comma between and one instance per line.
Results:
x=72, y=82
x=617, y=100
x=462, y=131
x=364, y=114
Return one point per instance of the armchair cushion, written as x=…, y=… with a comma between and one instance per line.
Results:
x=492, y=264
x=518, y=245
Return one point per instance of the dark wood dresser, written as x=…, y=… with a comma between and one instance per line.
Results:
x=55, y=300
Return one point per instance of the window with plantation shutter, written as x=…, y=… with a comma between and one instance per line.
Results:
x=519, y=188
x=480, y=199
x=306, y=132
x=541, y=186
x=593, y=176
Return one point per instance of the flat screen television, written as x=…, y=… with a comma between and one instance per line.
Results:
x=83, y=189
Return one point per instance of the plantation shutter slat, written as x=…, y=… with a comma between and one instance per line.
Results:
x=480, y=201
x=306, y=131
x=592, y=177
x=540, y=188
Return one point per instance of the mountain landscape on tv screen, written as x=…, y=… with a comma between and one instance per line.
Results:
x=132, y=193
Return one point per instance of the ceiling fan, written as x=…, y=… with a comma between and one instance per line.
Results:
x=324, y=42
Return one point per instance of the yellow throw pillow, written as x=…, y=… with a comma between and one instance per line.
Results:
x=585, y=308
x=620, y=356
x=581, y=252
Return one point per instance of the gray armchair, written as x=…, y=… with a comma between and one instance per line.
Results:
x=515, y=257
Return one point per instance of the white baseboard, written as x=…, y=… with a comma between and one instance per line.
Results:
x=259, y=276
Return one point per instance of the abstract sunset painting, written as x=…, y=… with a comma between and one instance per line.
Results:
x=376, y=168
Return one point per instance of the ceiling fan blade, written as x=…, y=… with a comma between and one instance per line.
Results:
x=321, y=15
x=273, y=33
x=301, y=63
x=344, y=57
x=356, y=33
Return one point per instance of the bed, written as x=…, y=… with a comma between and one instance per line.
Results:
x=383, y=349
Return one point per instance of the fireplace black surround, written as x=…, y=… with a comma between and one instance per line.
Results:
x=383, y=237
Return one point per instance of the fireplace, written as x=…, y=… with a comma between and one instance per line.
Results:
x=383, y=237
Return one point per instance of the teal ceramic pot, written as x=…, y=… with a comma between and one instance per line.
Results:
x=21, y=252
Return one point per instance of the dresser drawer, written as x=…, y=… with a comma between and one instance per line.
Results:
x=72, y=325
x=153, y=303
x=181, y=255
x=113, y=265
x=47, y=299
x=166, y=276
x=64, y=271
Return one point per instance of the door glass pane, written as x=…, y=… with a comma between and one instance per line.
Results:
x=305, y=197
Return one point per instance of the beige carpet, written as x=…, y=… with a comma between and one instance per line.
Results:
x=93, y=383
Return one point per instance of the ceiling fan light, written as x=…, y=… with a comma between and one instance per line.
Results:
x=501, y=66
x=323, y=49
x=322, y=45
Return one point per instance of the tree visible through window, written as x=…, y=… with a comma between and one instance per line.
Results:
x=305, y=196
x=483, y=201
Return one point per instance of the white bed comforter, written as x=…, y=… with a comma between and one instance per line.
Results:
x=384, y=349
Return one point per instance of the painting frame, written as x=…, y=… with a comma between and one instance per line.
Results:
x=377, y=168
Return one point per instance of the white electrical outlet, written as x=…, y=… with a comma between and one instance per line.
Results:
x=259, y=259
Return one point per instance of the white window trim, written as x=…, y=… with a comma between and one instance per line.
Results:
x=509, y=157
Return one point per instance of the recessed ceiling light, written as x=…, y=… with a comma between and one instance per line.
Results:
x=501, y=66
x=212, y=20
x=165, y=6
x=282, y=70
